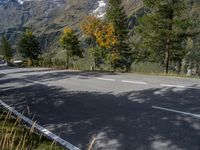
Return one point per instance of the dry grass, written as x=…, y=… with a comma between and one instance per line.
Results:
x=15, y=136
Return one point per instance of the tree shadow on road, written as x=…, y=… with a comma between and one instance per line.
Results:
x=29, y=70
x=123, y=121
x=6, y=67
x=54, y=76
x=47, y=74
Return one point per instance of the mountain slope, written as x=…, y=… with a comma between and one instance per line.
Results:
x=48, y=17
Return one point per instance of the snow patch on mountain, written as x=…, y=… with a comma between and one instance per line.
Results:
x=100, y=11
x=23, y=1
x=20, y=1
x=57, y=2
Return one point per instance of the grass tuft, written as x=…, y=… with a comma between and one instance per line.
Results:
x=15, y=136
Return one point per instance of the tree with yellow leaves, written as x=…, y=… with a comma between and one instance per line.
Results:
x=103, y=34
x=90, y=25
x=101, y=31
x=69, y=41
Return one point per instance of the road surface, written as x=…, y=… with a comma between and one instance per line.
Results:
x=121, y=111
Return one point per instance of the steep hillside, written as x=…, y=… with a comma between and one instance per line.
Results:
x=48, y=17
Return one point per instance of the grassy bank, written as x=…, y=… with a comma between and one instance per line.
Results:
x=15, y=136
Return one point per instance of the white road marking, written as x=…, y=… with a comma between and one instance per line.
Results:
x=195, y=88
x=177, y=111
x=179, y=86
x=37, y=82
x=41, y=129
x=134, y=82
x=30, y=80
x=83, y=77
x=105, y=79
x=2, y=72
x=171, y=85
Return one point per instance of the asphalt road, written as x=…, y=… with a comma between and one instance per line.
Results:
x=121, y=111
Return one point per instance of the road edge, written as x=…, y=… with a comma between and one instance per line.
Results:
x=39, y=128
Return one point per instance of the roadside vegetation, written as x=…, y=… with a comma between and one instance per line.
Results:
x=164, y=39
x=15, y=136
x=6, y=49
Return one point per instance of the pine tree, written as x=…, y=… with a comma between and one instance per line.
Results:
x=6, y=49
x=29, y=46
x=69, y=41
x=117, y=16
x=163, y=31
x=192, y=58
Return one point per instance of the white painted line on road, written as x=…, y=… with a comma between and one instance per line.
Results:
x=134, y=82
x=41, y=129
x=37, y=82
x=105, y=79
x=180, y=86
x=2, y=72
x=171, y=85
x=195, y=88
x=30, y=80
x=84, y=77
x=177, y=111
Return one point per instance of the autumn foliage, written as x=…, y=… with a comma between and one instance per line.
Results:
x=103, y=32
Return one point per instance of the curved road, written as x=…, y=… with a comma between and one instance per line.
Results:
x=119, y=111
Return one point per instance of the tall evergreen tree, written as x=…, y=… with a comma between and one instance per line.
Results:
x=163, y=31
x=29, y=46
x=6, y=49
x=192, y=59
x=117, y=16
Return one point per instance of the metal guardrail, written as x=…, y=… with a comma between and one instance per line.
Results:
x=41, y=129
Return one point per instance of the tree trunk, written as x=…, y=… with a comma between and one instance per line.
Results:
x=198, y=70
x=67, y=61
x=169, y=41
x=31, y=62
x=128, y=68
x=67, y=65
x=167, y=59
x=179, y=66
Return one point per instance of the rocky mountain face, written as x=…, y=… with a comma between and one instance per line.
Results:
x=48, y=17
